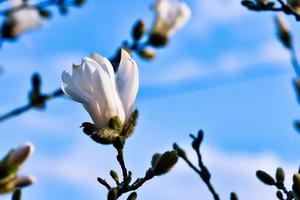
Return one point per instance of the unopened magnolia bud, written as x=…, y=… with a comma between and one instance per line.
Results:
x=158, y=40
x=147, y=54
x=180, y=152
x=115, y=123
x=105, y=136
x=265, y=178
x=138, y=30
x=16, y=195
x=7, y=30
x=283, y=32
x=45, y=13
x=114, y=175
x=197, y=140
x=296, y=186
x=280, y=175
x=155, y=157
x=247, y=3
x=165, y=163
x=129, y=125
x=279, y=195
x=88, y=128
x=233, y=196
x=132, y=196
x=79, y=2
x=112, y=194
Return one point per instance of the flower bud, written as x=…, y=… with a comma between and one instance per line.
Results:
x=147, y=54
x=112, y=194
x=164, y=163
x=279, y=195
x=115, y=123
x=114, y=175
x=233, y=196
x=265, y=178
x=197, y=140
x=280, y=176
x=180, y=152
x=132, y=196
x=129, y=125
x=158, y=40
x=79, y=2
x=154, y=159
x=105, y=136
x=296, y=186
x=138, y=30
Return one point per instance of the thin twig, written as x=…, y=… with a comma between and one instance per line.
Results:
x=42, y=4
x=294, y=60
x=40, y=101
x=120, y=158
x=206, y=180
x=104, y=183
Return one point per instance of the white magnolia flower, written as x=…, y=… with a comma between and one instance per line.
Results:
x=170, y=16
x=22, y=20
x=103, y=93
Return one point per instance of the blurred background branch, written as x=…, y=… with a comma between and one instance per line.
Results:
x=289, y=8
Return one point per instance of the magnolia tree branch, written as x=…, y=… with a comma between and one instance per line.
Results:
x=271, y=6
x=39, y=5
x=160, y=165
x=201, y=169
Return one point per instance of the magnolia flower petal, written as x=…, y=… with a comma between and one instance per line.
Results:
x=127, y=82
x=81, y=76
x=71, y=90
x=183, y=15
x=106, y=66
x=107, y=101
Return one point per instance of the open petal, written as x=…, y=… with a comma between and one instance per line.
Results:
x=105, y=96
x=71, y=90
x=105, y=64
x=127, y=82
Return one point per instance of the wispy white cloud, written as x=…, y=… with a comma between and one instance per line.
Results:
x=269, y=54
x=208, y=14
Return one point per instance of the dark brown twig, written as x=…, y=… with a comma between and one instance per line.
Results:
x=202, y=171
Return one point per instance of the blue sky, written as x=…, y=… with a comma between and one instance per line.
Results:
x=225, y=73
